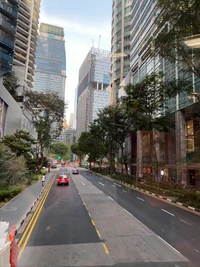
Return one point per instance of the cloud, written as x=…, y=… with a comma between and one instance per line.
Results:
x=75, y=27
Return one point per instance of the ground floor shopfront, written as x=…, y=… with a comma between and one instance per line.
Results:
x=173, y=155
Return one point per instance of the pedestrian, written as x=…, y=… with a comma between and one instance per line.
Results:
x=43, y=179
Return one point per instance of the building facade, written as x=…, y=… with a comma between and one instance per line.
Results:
x=26, y=37
x=69, y=138
x=8, y=28
x=50, y=75
x=178, y=149
x=12, y=117
x=93, y=81
x=120, y=43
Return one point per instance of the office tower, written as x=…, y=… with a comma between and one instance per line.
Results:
x=92, y=95
x=120, y=43
x=8, y=27
x=50, y=75
x=26, y=37
x=181, y=144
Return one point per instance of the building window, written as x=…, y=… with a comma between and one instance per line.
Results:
x=190, y=135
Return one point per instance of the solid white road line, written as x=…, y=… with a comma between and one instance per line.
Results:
x=114, y=185
x=124, y=191
x=168, y=244
x=118, y=185
x=82, y=183
x=196, y=250
x=168, y=212
x=140, y=198
x=101, y=184
x=111, y=198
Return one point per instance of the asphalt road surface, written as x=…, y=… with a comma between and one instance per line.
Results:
x=93, y=222
x=178, y=227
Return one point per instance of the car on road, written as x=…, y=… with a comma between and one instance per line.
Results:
x=54, y=166
x=75, y=171
x=63, y=164
x=63, y=179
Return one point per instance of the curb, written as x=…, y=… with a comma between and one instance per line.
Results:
x=19, y=224
x=150, y=193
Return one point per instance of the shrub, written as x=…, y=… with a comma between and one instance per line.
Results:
x=9, y=192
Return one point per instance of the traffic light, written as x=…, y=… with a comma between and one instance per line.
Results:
x=59, y=157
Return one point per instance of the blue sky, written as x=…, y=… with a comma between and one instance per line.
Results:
x=83, y=20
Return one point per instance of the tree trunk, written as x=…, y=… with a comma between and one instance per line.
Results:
x=122, y=157
x=90, y=165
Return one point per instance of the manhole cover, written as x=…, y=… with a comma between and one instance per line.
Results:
x=10, y=208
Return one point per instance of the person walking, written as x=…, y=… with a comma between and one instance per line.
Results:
x=43, y=179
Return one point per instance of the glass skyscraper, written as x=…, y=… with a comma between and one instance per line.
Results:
x=8, y=23
x=50, y=73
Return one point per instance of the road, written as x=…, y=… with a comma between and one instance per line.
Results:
x=93, y=222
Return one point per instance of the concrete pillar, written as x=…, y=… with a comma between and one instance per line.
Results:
x=139, y=154
x=181, y=148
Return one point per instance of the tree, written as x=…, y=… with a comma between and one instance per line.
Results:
x=12, y=168
x=60, y=149
x=114, y=127
x=44, y=109
x=11, y=83
x=76, y=150
x=20, y=143
x=146, y=102
x=146, y=106
x=176, y=21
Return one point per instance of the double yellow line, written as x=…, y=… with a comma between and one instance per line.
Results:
x=27, y=233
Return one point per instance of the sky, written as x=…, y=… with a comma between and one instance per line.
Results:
x=82, y=20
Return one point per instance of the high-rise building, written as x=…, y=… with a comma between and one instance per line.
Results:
x=120, y=43
x=8, y=27
x=179, y=153
x=50, y=75
x=92, y=94
x=71, y=120
x=26, y=37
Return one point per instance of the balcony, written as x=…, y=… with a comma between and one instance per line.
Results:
x=7, y=25
x=20, y=43
x=24, y=12
x=22, y=37
x=8, y=9
x=6, y=41
x=23, y=24
x=20, y=49
x=19, y=62
x=23, y=18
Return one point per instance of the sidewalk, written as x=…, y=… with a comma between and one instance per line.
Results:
x=15, y=211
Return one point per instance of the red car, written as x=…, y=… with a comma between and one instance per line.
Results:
x=62, y=180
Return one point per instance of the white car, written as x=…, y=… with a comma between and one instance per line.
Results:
x=75, y=171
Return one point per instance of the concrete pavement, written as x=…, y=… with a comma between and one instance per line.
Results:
x=80, y=225
x=15, y=210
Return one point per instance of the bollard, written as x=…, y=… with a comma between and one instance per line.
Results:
x=13, y=247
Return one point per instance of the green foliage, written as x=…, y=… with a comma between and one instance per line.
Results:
x=44, y=109
x=19, y=143
x=9, y=192
x=76, y=150
x=146, y=102
x=177, y=20
x=59, y=149
x=11, y=83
